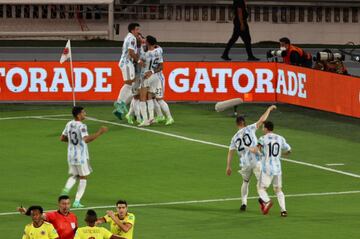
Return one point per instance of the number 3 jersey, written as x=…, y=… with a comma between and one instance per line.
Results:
x=77, y=148
x=242, y=141
x=271, y=147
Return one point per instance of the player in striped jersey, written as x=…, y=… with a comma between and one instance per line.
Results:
x=271, y=146
x=77, y=137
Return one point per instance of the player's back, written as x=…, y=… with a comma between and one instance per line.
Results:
x=92, y=232
x=272, y=146
x=129, y=43
x=77, y=147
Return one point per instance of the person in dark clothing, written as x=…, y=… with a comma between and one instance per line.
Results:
x=241, y=29
x=294, y=55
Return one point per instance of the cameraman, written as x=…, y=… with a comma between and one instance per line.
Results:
x=335, y=65
x=294, y=55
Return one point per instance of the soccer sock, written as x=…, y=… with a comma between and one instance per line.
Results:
x=70, y=182
x=143, y=110
x=164, y=106
x=137, y=109
x=263, y=195
x=80, y=190
x=244, y=192
x=124, y=94
x=157, y=109
x=131, y=109
x=150, y=105
x=281, y=199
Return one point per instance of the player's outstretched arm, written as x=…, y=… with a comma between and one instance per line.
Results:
x=100, y=221
x=228, y=162
x=264, y=117
x=92, y=137
x=64, y=138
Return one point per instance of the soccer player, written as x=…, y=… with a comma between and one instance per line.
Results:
x=92, y=231
x=38, y=229
x=122, y=222
x=129, y=56
x=64, y=221
x=242, y=142
x=77, y=137
x=271, y=145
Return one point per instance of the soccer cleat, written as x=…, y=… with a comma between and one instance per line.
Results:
x=117, y=114
x=243, y=208
x=169, y=121
x=129, y=118
x=160, y=119
x=65, y=191
x=138, y=120
x=284, y=214
x=144, y=123
x=121, y=107
x=77, y=204
x=267, y=207
x=261, y=202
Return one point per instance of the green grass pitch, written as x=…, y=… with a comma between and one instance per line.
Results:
x=143, y=167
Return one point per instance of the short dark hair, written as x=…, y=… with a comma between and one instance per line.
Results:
x=91, y=216
x=77, y=110
x=121, y=202
x=63, y=197
x=132, y=26
x=151, y=40
x=32, y=208
x=240, y=119
x=285, y=40
x=269, y=125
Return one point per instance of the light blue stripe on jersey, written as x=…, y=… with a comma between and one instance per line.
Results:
x=82, y=152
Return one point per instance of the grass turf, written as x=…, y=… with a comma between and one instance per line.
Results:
x=143, y=167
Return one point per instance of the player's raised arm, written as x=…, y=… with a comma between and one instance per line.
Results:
x=228, y=161
x=92, y=137
x=264, y=117
x=125, y=227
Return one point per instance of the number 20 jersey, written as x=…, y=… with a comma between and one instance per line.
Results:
x=77, y=148
x=241, y=142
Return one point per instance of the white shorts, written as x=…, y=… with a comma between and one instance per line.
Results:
x=265, y=180
x=128, y=71
x=247, y=171
x=135, y=87
x=80, y=170
x=153, y=83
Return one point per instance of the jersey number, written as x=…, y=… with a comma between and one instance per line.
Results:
x=74, y=138
x=274, y=149
x=247, y=142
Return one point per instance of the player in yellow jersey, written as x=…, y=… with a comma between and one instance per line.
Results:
x=122, y=222
x=38, y=229
x=92, y=231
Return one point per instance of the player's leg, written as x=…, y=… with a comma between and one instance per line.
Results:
x=264, y=200
x=137, y=109
x=279, y=194
x=128, y=72
x=159, y=115
x=246, y=175
x=143, y=106
x=154, y=82
x=71, y=180
x=150, y=105
x=163, y=105
x=84, y=170
x=132, y=110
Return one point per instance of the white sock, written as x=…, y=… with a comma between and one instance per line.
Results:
x=80, y=190
x=263, y=195
x=137, y=109
x=164, y=106
x=143, y=110
x=125, y=93
x=131, y=109
x=281, y=199
x=70, y=182
x=157, y=109
x=150, y=105
x=244, y=192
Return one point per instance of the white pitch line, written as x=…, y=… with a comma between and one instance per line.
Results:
x=335, y=164
x=220, y=145
x=32, y=117
x=201, y=201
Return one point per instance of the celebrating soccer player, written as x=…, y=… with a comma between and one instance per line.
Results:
x=77, y=137
x=241, y=142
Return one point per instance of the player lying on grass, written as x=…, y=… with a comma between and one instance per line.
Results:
x=122, y=222
x=270, y=147
x=91, y=231
x=241, y=142
x=38, y=229
x=77, y=137
x=64, y=221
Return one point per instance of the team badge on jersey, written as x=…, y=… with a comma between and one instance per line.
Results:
x=43, y=233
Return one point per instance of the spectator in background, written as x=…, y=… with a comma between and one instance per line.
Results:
x=241, y=29
x=294, y=55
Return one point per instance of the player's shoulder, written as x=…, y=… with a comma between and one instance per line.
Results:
x=48, y=225
x=131, y=215
x=159, y=49
x=28, y=226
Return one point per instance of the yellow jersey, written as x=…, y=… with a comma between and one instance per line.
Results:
x=115, y=229
x=45, y=231
x=93, y=233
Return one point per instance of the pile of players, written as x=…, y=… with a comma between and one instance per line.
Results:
x=141, y=64
x=261, y=158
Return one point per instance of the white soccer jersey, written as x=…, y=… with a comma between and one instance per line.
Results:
x=272, y=145
x=241, y=142
x=129, y=43
x=152, y=59
x=78, y=152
